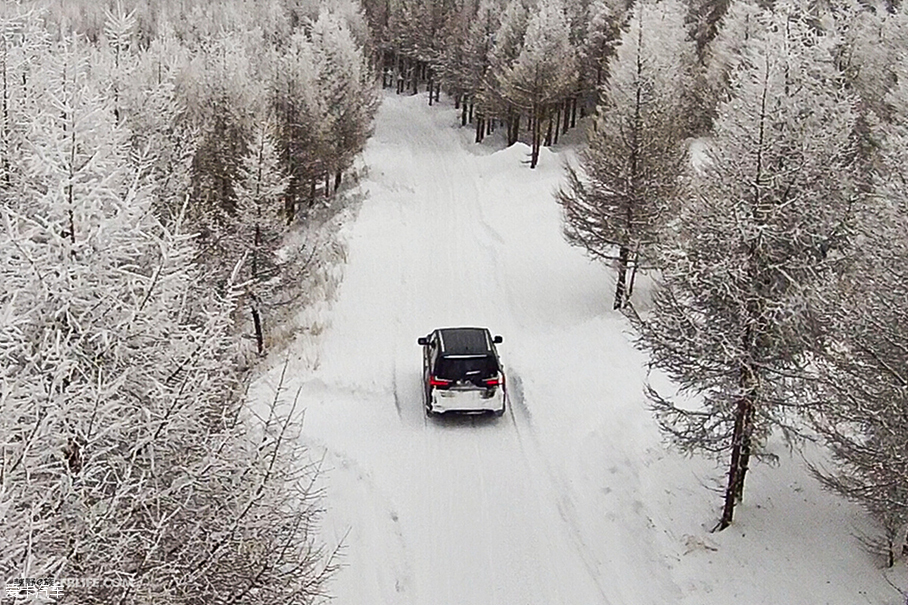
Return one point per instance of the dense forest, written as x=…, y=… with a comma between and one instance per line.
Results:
x=160, y=164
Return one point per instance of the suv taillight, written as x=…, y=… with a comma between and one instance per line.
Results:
x=438, y=382
x=493, y=382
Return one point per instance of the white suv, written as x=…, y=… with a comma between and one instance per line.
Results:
x=462, y=372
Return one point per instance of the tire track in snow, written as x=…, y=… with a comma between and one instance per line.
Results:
x=565, y=508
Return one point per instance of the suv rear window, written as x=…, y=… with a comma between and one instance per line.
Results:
x=460, y=368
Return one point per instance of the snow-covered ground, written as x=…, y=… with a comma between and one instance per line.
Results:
x=572, y=497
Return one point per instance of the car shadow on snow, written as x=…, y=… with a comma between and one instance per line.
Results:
x=454, y=421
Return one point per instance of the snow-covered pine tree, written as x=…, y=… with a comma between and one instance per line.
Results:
x=219, y=109
x=718, y=61
x=348, y=91
x=161, y=133
x=605, y=19
x=119, y=31
x=705, y=17
x=300, y=114
x=125, y=454
x=510, y=35
x=477, y=46
x=863, y=378
x=432, y=19
x=544, y=74
x=21, y=38
x=619, y=198
x=870, y=51
x=725, y=52
x=404, y=24
x=506, y=45
x=259, y=221
x=451, y=66
x=734, y=317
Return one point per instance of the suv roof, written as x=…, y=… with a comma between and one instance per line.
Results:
x=465, y=341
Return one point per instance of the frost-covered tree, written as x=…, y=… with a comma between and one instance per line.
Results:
x=870, y=51
x=218, y=101
x=119, y=31
x=705, y=17
x=126, y=454
x=604, y=21
x=477, y=49
x=507, y=44
x=619, y=198
x=510, y=35
x=303, y=137
x=348, y=91
x=21, y=38
x=735, y=315
x=863, y=376
x=718, y=62
x=725, y=53
x=544, y=72
x=161, y=130
x=259, y=221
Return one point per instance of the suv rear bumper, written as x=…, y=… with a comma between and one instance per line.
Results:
x=466, y=401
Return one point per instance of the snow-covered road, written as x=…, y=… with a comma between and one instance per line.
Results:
x=570, y=497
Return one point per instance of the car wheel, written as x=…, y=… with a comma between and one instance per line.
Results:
x=428, y=403
x=499, y=413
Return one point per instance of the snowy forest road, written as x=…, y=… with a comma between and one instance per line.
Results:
x=466, y=511
x=571, y=498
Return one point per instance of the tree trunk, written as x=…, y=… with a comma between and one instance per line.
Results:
x=573, y=112
x=567, y=115
x=746, y=447
x=290, y=208
x=555, y=122
x=513, y=126
x=256, y=244
x=5, y=117
x=259, y=335
x=69, y=187
x=741, y=441
x=480, y=128
x=463, y=112
x=630, y=286
x=620, y=288
x=337, y=180
x=537, y=136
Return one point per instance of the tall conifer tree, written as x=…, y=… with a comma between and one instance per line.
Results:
x=616, y=202
x=735, y=316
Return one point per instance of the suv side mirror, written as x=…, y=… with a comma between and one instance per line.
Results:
x=497, y=340
x=422, y=340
